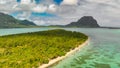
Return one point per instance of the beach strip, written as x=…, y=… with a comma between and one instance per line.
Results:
x=53, y=61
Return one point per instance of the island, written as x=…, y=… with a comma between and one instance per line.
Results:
x=31, y=50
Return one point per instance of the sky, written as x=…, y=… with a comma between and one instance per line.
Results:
x=62, y=12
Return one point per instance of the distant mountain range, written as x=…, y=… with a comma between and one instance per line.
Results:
x=7, y=21
x=88, y=22
x=85, y=22
x=26, y=22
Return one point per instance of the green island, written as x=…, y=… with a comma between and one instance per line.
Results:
x=30, y=50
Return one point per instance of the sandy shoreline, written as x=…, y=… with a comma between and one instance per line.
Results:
x=51, y=62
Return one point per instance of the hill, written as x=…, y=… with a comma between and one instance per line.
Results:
x=86, y=21
x=26, y=22
x=7, y=21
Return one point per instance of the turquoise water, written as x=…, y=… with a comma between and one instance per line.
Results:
x=103, y=50
x=21, y=30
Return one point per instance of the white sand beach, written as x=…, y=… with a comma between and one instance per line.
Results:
x=51, y=62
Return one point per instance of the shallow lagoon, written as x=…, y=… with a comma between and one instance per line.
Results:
x=103, y=50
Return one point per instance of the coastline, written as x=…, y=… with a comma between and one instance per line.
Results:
x=53, y=61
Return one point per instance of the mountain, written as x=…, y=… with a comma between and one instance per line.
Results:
x=7, y=21
x=26, y=22
x=86, y=21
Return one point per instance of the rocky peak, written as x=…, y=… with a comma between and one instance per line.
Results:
x=85, y=21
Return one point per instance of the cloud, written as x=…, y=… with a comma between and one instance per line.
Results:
x=105, y=11
x=25, y=1
x=70, y=2
x=45, y=8
x=52, y=8
x=3, y=2
x=6, y=6
x=40, y=8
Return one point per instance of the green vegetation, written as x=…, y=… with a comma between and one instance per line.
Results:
x=33, y=49
x=7, y=21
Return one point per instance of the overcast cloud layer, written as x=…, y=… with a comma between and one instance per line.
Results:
x=60, y=12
